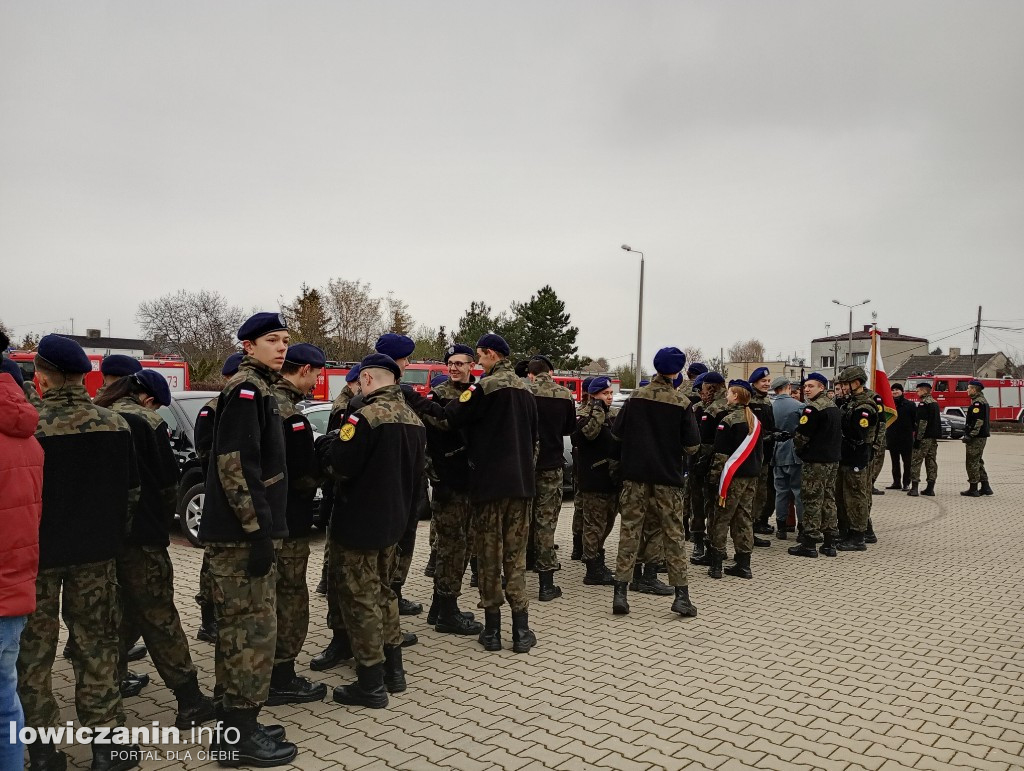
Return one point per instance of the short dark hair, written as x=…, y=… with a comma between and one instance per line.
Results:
x=290, y=367
x=537, y=366
x=42, y=365
x=895, y=386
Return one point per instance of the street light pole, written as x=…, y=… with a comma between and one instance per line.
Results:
x=640, y=314
x=849, y=349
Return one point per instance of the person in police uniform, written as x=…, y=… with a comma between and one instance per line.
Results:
x=244, y=520
x=976, y=434
x=859, y=424
x=598, y=489
x=927, y=432
x=377, y=456
x=90, y=489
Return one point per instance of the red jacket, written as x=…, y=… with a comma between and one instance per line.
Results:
x=21, y=500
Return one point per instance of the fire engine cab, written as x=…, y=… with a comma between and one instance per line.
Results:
x=174, y=370
x=950, y=391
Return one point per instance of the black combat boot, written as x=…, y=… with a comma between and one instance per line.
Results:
x=110, y=757
x=394, y=672
x=367, y=691
x=742, y=567
x=972, y=491
x=638, y=576
x=451, y=620
x=43, y=756
x=255, y=747
x=929, y=488
x=763, y=528
x=854, y=541
x=598, y=573
x=137, y=652
x=431, y=566
x=286, y=687
x=914, y=492
x=715, y=571
x=701, y=551
x=895, y=485
x=761, y=542
x=133, y=684
x=406, y=607
x=619, y=605
x=804, y=547
x=876, y=491
x=548, y=590
x=321, y=588
x=869, y=534
x=194, y=708
x=649, y=582
x=339, y=650
x=682, y=604
x=409, y=639
x=522, y=637
x=828, y=546
x=208, y=629
x=474, y=575
x=577, y=546
x=985, y=488
x=490, y=637
x=782, y=533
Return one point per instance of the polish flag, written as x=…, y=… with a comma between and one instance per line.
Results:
x=879, y=380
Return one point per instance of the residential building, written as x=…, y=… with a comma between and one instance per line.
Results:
x=829, y=355
x=986, y=365
x=93, y=342
x=740, y=370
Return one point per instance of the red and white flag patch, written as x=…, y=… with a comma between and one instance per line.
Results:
x=353, y=419
x=298, y=426
x=204, y=412
x=245, y=393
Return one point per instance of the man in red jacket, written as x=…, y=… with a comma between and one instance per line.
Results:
x=21, y=479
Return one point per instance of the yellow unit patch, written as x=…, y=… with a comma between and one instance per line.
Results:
x=863, y=422
x=976, y=409
x=347, y=432
x=803, y=420
x=466, y=396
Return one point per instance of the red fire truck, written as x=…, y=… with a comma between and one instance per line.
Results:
x=418, y=375
x=950, y=391
x=575, y=384
x=174, y=370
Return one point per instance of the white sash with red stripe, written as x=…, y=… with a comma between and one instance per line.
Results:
x=736, y=460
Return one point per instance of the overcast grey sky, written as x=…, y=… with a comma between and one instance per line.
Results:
x=767, y=156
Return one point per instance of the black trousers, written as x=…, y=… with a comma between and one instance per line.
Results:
x=897, y=454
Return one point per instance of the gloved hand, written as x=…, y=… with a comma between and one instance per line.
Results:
x=965, y=439
x=261, y=557
x=783, y=436
x=917, y=444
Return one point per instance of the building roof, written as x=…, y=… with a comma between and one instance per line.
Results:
x=942, y=365
x=893, y=334
x=114, y=343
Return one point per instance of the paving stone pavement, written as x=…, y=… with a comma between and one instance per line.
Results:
x=908, y=656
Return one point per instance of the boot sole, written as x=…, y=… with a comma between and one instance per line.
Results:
x=802, y=554
x=206, y=637
x=316, y=694
x=397, y=687
x=618, y=610
x=688, y=612
x=549, y=597
x=748, y=576
x=465, y=631
x=245, y=760
x=666, y=592
x=378, y=704
x=599, y=582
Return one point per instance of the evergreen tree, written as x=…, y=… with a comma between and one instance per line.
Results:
x=476, y=322
x=309, y=320
x=541, y=325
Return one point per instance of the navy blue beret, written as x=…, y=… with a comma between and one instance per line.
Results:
x=586, y=384
x=741, y=384
x=231, y=364
x=699, y=381
x=63, y=354
x=818, y=377
x=759, y=373
x=381, y=361
x=645, y=382
x=522, y=368
x=155, y=385
x=677, y=380
x=395, y=346
x=120, y=365
x=12, y=369
x=260, y=324
x=697, y=367
x=437, y=380
x=714, y=378
x=458, y=348
x=306, y=353
x=598, y=384
x=543, y=358
x=976, y=384
x=669, y=361
x=494, y=342
x=353, y=374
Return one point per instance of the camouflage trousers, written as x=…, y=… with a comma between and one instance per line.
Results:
x=855, y=485
x=599, y=510
x=205, y=596
x=698, y=490
x=452, y=515
x=292, y=598
x=878, y=459
x=642, y=505
x=818, y=491
x=146, y=577
x=246, y=611
x=926, y=453
x=92, y=614
x=327, y=557
x=975, y=460
x=407, y=546
x=735, y=518
x=577, y=515
x=759, y=501
x=546, y=506
x=335, y=618
x=362, y=580
x=502, y=529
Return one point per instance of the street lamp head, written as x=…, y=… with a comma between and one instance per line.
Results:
x=627, y=248
x=837, y=302
x=865, y=302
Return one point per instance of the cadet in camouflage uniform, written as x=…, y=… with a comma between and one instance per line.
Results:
x=377, y=458
x=144, y=570
x=302, y=365
x=734, y=515
x=90, y=487
x=595, y=448
x=656, y=429
x=707, y=412
x=928, y=430
x=577, y=504
x=859, y=424
x=878, y=445
x=976, y=434
x=556, y=418
x=761, y=406
x=499, y=417
x=244, y=520
x=818, y=441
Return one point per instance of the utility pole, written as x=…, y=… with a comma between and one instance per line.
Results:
x=977, y=341
x=72, y=325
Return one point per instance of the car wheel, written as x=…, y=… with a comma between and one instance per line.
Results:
x=190, y=512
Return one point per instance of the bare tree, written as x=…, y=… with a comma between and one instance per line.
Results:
x=356, y=316
x=751, y=350
x=397, y=317
x=197, y=326
x=693, y=354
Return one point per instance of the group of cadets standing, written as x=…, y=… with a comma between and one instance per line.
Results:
x=682, y=458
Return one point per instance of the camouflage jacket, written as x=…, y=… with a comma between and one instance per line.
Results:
x=878, y=441
x=927, y=420
x=90, y=479
x=556, y=418
x=977, y=424
x=819, y=434
x=859, y=423
x=304, y=473
x=247, y=487
x=596, y=468
x=158, y=473
x=447, y=454
x=340, y=406
x=377, y=458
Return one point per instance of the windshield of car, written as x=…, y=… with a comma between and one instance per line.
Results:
x=191, y=406
x=416, y=376
x=318, y=419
